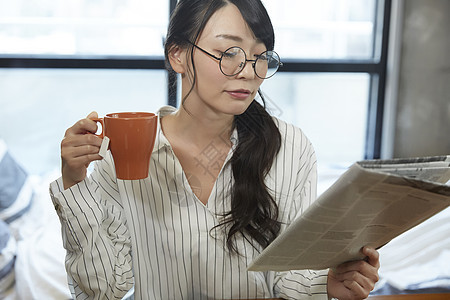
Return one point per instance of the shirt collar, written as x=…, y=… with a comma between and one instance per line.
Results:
x=161, y=140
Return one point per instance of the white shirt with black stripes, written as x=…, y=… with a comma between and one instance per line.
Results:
x=154, y=234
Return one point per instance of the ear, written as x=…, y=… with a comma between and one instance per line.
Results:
x=177, y=59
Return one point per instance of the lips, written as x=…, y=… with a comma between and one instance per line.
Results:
x=239, y=94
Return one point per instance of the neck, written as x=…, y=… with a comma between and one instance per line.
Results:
x=200, y=128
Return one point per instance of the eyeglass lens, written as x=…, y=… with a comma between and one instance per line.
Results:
x=233, y=61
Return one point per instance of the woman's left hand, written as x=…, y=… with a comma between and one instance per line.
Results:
x=356, y=279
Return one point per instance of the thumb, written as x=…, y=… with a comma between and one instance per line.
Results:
x=92, y=115
x=372, y=256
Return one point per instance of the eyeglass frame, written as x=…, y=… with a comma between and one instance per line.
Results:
x=280, y=64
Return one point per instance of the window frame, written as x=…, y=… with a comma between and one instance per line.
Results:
x=376, y=68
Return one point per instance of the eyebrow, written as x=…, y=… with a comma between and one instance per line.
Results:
x=235, y=38
x=230, y=37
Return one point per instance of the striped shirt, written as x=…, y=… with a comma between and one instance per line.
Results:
x=155, y=234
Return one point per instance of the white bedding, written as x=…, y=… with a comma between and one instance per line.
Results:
x=39, y=267
x=419, y=258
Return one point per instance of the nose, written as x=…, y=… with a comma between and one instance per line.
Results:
x=247, y=71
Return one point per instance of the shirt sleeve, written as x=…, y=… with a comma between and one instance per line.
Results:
x=302, y=284
x=95, y=235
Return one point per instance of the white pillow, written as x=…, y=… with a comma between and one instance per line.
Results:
x=16, y=191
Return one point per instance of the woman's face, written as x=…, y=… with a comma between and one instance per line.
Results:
x=214, y=93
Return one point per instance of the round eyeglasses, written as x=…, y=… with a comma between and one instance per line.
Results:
x=233, y=60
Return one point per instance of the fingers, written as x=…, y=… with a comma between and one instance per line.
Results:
x=78, y=149
x=83, y=126
x=359, y=282
x=79, y=145
x=359, y=277
x=352, y=271
x=358, y=291
x=370, y=264
x=81, y=139
x=92, y=115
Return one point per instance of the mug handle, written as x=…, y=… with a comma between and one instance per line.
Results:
x=101, y=121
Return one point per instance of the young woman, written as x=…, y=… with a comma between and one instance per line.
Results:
x=225, y=179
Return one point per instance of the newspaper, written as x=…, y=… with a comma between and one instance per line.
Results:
x=370, y=204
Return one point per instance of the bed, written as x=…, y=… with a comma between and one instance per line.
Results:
x=32, y=255
x=418, y=261
x=31, y=252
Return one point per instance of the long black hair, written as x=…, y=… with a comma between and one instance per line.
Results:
x=253, y=213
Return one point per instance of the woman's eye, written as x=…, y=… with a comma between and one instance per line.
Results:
x=261, y=57
x=228, y=54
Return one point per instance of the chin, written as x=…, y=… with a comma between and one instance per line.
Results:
x=237, y=111
x=238, y=108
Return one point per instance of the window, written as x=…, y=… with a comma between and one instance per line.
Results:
x=332, y=84
x=61, y=59
x=331, y=108
x=327, y=29
x=81, y=27
x=38, y=105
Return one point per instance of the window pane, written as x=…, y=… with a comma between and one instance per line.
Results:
x=83, y=27
x=38, y=105
x=326, y=29
x=331, y=108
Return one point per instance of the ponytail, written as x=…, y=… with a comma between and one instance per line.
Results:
x=254, y=212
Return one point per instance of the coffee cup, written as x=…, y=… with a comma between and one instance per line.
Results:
x=131, y=140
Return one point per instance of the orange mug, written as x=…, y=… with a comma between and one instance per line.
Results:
x=132, y=137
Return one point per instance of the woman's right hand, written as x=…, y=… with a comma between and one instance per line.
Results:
x=79, y=148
